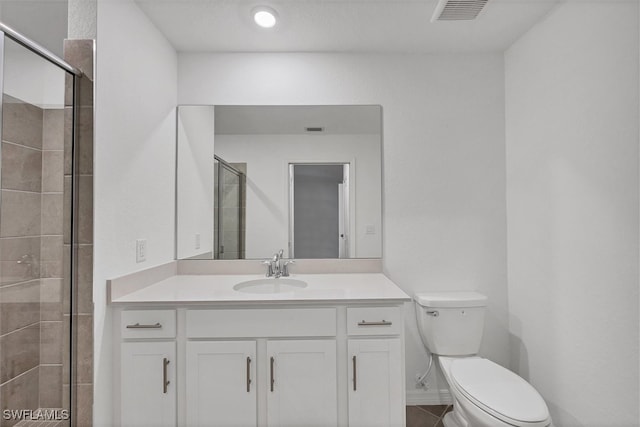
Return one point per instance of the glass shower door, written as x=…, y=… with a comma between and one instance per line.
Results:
x=35, y=218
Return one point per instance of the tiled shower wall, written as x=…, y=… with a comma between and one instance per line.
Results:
x=36, y=307
x=80, y=53
x=31, y=269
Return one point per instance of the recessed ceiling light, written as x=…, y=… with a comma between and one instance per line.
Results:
x=265, y=16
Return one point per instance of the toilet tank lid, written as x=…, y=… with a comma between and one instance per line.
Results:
x=451, y=299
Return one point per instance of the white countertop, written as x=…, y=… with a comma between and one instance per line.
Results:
x=322, y=288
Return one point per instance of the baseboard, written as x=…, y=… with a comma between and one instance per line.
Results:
x=428, y=397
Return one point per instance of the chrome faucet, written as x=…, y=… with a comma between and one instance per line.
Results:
x=275, y=267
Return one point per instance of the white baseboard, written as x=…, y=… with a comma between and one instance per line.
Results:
x=429, y=397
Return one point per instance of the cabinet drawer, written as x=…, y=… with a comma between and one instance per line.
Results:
x=374, y=320
x=148, y=324
x=257, y=323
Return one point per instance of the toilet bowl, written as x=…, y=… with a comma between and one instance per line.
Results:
x=489, y=395
x=484, y=393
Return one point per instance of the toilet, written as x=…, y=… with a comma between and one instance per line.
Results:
x=484, y=393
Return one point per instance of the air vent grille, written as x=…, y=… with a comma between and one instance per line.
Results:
x=458, y=10
x=314, y=129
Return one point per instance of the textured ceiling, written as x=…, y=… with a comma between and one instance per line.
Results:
x=339, y=25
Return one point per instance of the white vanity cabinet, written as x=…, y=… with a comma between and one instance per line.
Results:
x=220, y=384
x=266, y=366
x=147, y=395
x=302, y=383
x=376, y=391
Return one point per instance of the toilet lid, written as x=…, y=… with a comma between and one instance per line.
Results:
x=498, y=391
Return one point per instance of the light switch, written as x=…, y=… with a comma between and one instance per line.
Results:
x=141, y=250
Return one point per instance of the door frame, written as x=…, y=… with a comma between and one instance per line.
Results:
x=344, y=205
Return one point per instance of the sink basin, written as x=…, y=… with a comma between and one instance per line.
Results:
x=270, y=286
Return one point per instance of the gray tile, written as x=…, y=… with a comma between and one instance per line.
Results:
x=85, y=140
x=85, y=210
x=52, y=214
x=84, y=291
x=417, y=417
x=53, y=129
x=84, y=148
x=21, y=123
x=51, y=343
x=84, y=352
x=51, y=304
x=51, y=386
x=437, y=410
x=19, y=306
x=79, y=53
x=84, y=405
x=66, y=207
x=20, y=352
x=52, y=171
x=21, y=167
x=20, y=214
x=19, y=259
x=21, y=393
x=51, y=248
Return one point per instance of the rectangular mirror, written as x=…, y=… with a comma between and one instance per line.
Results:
x=252, y=180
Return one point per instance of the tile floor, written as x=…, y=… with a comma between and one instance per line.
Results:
x=427, y=416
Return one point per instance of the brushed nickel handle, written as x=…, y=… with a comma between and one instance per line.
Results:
x=165, y=381
x=271, y=369
x=382, y=323
x=355, y=375
x=248, y=374
x=139, y=326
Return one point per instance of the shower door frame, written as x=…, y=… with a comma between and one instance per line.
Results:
x=75, y=74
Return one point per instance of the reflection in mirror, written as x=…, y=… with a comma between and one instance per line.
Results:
x=255, y=179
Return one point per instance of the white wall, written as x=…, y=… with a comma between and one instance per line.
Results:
x=134, y=163
x=572, y=209
x=443, y=153
x=31, y=78
x=194, y=190
x=267, y=158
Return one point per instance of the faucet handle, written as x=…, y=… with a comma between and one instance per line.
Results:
x=269, y=265
x=285, y=267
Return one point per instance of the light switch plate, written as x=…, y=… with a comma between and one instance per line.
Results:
x=141, y=250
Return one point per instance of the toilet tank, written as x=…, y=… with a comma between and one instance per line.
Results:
x=451, y=323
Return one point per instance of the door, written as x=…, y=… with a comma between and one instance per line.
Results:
x=302, y=387
x=148, y=392
x=319, y=211
x=221, y=389
x=375, y=389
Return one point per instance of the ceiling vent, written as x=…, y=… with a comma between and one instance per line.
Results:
x=316, y=129
x=458, y=10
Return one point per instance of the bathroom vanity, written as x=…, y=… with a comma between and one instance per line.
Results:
x=191, y=350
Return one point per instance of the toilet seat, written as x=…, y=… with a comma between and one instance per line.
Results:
x=499, y=392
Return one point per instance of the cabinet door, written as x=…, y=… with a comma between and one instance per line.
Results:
x=375, y=388
x=221, y=384
x=148, y=392
x=301, y=384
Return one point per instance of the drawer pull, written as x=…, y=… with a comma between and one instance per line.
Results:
x=139, y=326
x=383, y=323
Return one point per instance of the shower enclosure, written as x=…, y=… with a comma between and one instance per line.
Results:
x=229, y=209
x=37, y=257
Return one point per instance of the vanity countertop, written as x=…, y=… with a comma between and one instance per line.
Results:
x=214, y=289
